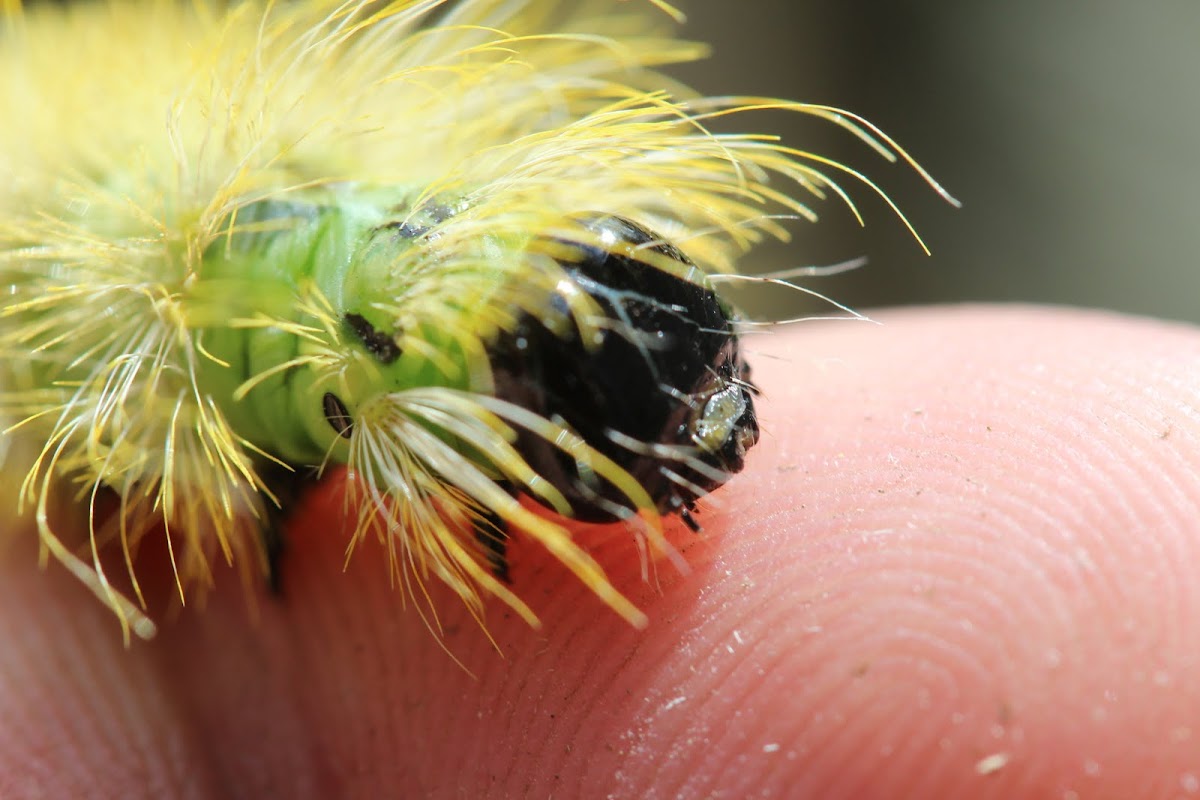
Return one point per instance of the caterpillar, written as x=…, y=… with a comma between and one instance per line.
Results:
x=466, y=249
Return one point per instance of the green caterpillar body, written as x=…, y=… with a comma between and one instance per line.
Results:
x=289, y=252
x=339, y=361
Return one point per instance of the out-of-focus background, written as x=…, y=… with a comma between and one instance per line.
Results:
x=1069, y=131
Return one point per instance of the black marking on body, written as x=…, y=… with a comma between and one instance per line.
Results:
x=417, y=223
x=337, y=415
x=402, y=230
x=380, y=345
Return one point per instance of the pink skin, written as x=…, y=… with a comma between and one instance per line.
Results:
x=960, y=564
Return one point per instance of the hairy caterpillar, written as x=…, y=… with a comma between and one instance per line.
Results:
x=442, y=243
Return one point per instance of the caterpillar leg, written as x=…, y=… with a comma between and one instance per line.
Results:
x=286, y=486
x=493, y=536
x=491, y=531
x=686, y=513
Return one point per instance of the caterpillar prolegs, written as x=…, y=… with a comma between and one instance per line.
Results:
x=464, y=248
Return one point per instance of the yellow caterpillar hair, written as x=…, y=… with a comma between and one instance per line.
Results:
x=460, y=247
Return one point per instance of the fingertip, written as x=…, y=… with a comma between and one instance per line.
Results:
x=956, y=565
x=83, y=713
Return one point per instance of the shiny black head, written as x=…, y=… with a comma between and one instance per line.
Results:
x=665, y=394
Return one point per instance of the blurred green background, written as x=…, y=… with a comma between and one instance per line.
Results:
x=1067, y=130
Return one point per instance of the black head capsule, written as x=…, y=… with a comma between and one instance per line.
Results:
x=665, y=394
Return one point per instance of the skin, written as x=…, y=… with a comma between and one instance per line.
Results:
x=960, y=564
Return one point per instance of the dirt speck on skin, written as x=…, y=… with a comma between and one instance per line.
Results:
x=993, y=763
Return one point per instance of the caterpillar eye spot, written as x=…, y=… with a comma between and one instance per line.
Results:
x=337, y=415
